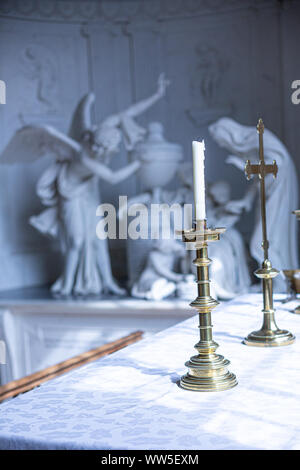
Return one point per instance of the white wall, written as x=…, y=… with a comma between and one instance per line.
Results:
x=117, y=49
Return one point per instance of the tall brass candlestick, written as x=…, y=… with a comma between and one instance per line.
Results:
x=207, y=370
x=269, y=334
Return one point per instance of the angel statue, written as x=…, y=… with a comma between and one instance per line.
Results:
x=281, y=194
x=69, y=187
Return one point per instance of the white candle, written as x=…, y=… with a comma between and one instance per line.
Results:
x=199, y=181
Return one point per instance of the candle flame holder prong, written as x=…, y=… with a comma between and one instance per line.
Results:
x=207, y=370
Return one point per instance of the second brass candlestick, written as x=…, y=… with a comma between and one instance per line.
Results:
x=269, y=334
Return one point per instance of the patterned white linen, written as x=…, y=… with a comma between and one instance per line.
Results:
x=130, y=400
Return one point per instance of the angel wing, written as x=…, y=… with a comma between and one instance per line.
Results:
x=32, y=142
x=82, y=119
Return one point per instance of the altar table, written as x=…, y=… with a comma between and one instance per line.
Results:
x=131, y=400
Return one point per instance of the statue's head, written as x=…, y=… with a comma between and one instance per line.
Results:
x=220, y=192
x=233, y=136
x=106, y=140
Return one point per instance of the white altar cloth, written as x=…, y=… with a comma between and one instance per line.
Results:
x=130, y=399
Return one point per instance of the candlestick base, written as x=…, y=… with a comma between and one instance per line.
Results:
x=208, y=373
x=269, y=338
x=269, y=335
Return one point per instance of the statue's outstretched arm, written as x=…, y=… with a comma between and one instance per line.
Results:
x=142, y=106
x=112, y=177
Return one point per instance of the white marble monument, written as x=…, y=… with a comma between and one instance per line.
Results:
x=69, y=187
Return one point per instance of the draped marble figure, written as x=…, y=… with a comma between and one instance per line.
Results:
x=69, y=188
x=281, y=193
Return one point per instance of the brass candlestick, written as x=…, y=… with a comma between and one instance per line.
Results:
x=269, y=334
x=207, y=370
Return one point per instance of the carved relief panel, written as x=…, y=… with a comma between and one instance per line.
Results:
x=39, y=68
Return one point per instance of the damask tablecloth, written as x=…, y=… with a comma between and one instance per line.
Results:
x=130, y=400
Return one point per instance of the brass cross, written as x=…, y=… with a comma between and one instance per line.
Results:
x=261, y=169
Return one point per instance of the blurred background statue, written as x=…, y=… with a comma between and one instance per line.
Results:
x=281, y=193
x=69, y=187
x=230, y=274
x=159, y=160
x=159, y=278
